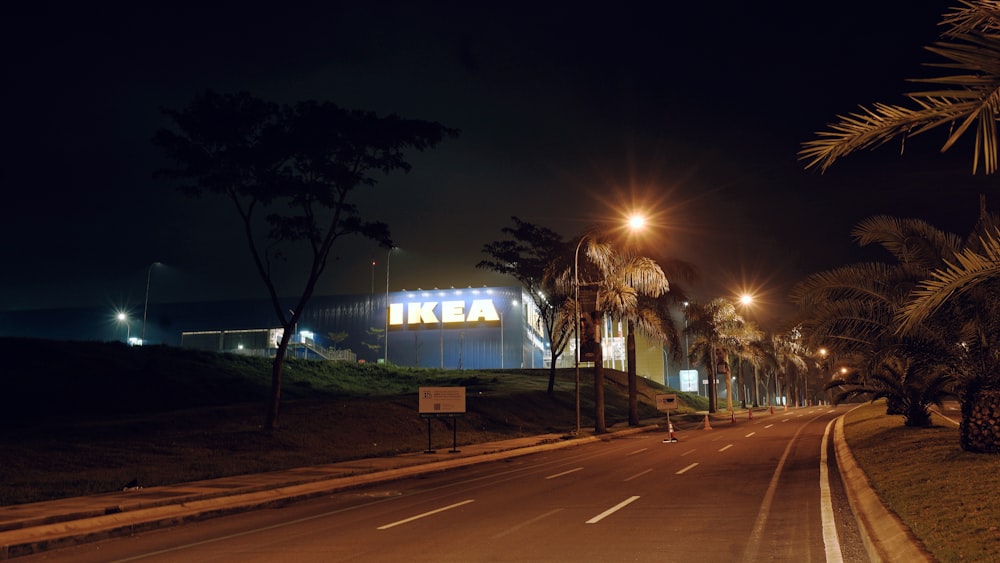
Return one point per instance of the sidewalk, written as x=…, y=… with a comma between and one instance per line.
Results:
x=33, y=528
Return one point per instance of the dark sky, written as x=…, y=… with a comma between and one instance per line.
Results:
x=570, y=113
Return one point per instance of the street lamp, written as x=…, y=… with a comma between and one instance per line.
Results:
x=747, y=300
x=635, y=222
x=145, y=307
x=576, y=326
x=386, y=335
x=123, y=318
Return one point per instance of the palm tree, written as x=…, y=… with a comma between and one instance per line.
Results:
x=790, y=359
x=967, y=99
x=716, y=329
x=965, y=294
x=908, y=389
x=622, y=280
x=853, y=311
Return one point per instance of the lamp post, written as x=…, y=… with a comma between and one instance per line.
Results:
x=145, y=307
x=123, y=318
x=635, y=222
x=386, y=335
x=576, y=326
x=747, y=300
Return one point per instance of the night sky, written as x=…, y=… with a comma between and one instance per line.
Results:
x=570, y=114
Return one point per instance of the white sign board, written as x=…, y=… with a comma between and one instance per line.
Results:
x=689, y=380
x=442, y=400
x=666, y=402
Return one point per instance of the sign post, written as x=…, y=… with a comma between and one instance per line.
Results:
x=442, y=402
x=667, y=402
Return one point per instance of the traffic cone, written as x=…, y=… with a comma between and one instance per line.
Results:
x=708, y=425
x=749, y=414
x=786, y=406
x=672, y=437
x=732, y=416
x=772, y=409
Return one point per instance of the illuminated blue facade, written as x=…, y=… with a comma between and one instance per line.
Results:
x=464, y=329
x=471, y=328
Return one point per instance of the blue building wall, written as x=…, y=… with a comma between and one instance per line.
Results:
x=511, y=339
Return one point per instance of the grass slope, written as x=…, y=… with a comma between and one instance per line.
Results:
x=85, y=418
x=947, y=496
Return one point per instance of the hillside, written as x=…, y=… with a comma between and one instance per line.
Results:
x=88, y=417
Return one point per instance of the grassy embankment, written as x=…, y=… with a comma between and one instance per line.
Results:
x=948, y=497
x=83, y=418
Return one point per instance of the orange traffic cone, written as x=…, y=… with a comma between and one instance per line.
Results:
x=672, y=437
x=708, y=425
x=732, y=416
x=772, y=409
x=749, y=414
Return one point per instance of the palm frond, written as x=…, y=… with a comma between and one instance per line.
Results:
x=969, y=270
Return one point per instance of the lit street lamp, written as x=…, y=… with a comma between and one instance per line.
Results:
x=635, y=222
x=747, y=300
x=123, y=318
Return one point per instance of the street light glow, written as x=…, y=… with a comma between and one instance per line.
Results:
x=636, y=222
x=746, y=299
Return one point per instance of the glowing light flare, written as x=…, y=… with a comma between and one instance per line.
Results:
x=636, y=222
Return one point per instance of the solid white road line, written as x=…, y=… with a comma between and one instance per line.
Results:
x=830, y=539
x=425, y=514
x=612, y=510
x=750, y=551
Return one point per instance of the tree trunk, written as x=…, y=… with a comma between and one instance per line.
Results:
x=756, y=388
x=600, y=426
x=979, y=431
x=729, y=392
x=552, y=377
x=633, y=384
x=271, y=422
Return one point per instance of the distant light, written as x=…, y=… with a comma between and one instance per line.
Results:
x=636, y=222
x=122, y=317
x=134, y=341
x=746, y=299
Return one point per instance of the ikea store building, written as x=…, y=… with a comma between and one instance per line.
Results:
x=470, y=328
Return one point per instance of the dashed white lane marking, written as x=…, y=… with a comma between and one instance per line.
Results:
x=637, y=475
x=564, y=473
x=686, y=469
x=612, y=510
x=424, y=515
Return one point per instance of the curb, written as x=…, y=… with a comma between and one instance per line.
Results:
x=95, y=527
x=885, y=536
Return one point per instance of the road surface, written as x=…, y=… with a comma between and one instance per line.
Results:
x=754, y=490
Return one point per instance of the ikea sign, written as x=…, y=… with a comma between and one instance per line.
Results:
x=434, y=313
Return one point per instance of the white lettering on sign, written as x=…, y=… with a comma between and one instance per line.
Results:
x=418, y=313
x=422, y=313
x=483, y=310
x=453, y=311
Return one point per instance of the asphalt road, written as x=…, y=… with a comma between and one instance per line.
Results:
x=759, y=490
